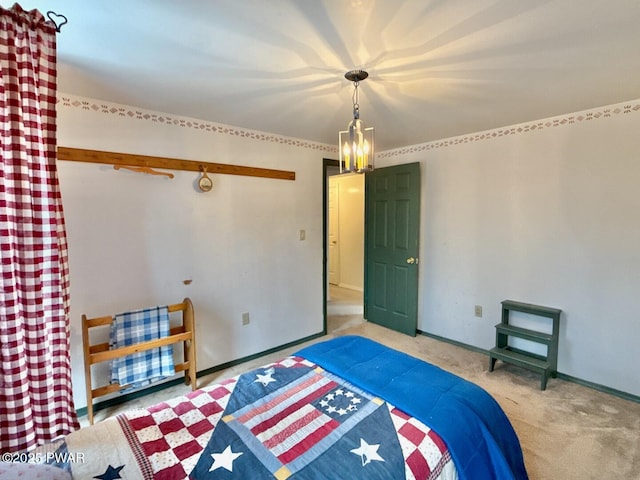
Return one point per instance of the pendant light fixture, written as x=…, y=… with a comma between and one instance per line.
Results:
x=356, y=143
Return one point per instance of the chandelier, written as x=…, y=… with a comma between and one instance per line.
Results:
x=356, y=143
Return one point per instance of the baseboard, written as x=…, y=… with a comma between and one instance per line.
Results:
x=560, y=375
x=233, y=363
x=455, y=342
x=126, y=397
x=600, y=388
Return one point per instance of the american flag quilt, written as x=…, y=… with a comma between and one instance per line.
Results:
x=287, y=420
x=480, y=438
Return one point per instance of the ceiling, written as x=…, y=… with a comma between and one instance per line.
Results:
x=437, y=68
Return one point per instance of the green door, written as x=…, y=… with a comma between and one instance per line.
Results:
x=392, y=228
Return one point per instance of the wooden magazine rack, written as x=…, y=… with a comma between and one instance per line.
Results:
x=97, y=353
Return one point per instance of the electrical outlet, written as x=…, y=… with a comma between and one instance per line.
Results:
x=303, y=235
x=478, y=311
x=245, y=318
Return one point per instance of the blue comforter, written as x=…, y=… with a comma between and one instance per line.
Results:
x=480, y=437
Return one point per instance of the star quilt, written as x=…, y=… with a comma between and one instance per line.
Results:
x=304, y=418
x=287, y=420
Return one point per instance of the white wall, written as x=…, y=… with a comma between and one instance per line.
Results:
x=544, y=213
x=135, y=238
x=351, y=227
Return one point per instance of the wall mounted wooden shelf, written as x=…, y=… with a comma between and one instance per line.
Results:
x=126, y=159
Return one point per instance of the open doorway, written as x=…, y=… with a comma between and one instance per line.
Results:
x=343, y=248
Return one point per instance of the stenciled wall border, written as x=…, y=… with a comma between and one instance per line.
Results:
x=109, y=108
x=551, y=122
x=84, y=103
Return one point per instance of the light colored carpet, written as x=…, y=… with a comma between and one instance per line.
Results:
x=567, y=432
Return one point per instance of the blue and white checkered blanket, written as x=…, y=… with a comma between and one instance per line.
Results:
x=140, y=369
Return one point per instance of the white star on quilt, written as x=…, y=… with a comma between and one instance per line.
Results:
x=327, y=401
x=266, y=378
x=367, y=452
x=224, y=459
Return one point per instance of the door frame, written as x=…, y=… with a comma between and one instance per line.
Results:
x=327, y=163
x=333, y=233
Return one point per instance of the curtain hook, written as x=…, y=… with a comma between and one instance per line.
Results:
x=53, y=16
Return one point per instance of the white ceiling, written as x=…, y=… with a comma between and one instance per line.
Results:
x=436, y=68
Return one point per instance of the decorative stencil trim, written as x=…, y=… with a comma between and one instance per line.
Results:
x=108, y=108
x=84, y=103
x=559, y=121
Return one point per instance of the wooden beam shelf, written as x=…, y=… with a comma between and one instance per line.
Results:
x=127, y=159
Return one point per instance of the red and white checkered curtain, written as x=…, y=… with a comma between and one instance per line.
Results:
x=36, y=402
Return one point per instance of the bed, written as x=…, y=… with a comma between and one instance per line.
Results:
x=346, y=408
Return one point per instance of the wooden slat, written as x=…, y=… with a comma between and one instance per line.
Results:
x=181, y=367
x=189, y=351
x=116, y=387
x=107, y=319
x=138, y=347
x=100, y=391
x=103, y=347
x=176, y=307
x=87, y=368
x=98, y=321
x=176, y=330
x=100, y=347
x=113, y=158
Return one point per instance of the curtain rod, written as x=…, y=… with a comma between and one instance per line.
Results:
x=55, y=18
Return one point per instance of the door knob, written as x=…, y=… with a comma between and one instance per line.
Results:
x=411, y=260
